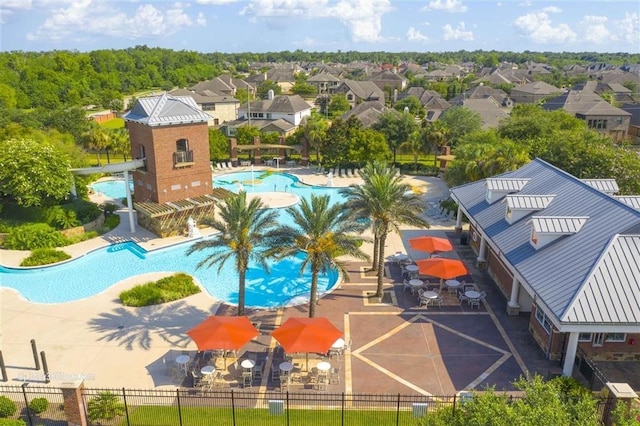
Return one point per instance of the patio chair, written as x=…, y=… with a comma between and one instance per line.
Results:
x=334, y=376
x=468, y=288
x=247, y=380
x=257, y=370
x=439, y=301
x=483, y=295
x=349, y=173
x=407, y=286
x=474, y=302
x=462, y=297
x=356, y=172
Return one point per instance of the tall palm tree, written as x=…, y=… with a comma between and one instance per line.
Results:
x=415, y=145
x=323, y=233
x=388, y=203
x=245, y=234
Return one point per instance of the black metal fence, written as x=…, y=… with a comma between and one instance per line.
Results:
x=29, y=403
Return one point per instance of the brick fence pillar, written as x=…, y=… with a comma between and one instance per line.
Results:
x=617, y=392
x=73, y=404
x=233, y=151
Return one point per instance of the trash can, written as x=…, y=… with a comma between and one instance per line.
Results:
x=464, y=239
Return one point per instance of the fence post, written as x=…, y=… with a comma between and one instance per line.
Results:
x=179, y=406
x=3, y=368
x=617, y=393
x=453, y=411
x=126, y=407
x=398, y=411
x=73, y=405
x=26, y=402
x=34, y=350
x=343, y=403
x=45, y=367
x=287, y=398
x=233, y=408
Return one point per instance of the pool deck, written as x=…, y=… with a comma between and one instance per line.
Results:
x=397, y=346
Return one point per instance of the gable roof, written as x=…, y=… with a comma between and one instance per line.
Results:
x=165, y=110
x=583, y=102
x=537, y=88
x=561, y=274
x=280, y=104
x=367, y=112
x=365, y=90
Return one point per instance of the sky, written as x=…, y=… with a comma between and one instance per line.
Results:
x=322, y=25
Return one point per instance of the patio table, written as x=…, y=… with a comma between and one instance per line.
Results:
x=472, y=294
x=183, y=362
x=248, y=364
x=412, y=268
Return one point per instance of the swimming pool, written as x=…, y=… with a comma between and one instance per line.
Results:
x=113, y=189
x=110, y=265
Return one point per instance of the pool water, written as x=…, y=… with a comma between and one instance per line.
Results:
x=99, y=270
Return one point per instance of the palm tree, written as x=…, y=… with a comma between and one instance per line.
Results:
x=315, y=130
x=323, y=233
x=388, y=203
x=244, y=234
x=97, y=138
x=415, y=145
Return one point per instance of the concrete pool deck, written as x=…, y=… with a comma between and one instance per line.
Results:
x=112, y=346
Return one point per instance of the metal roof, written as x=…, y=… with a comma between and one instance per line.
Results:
x=557, y=224
x=165, y=110
x=610, y=186
x=558, y=272
x=505, y=184
x=630, y=200
x=528, y=202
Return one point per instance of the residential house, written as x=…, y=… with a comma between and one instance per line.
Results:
x=533, y=92
x=490, y=110
x=325, y=83
x=618, y=92
x=634, y=122
x=497, y=76
x=598, y=113
x=367, y=112
x=221, y=108
x=360, y=91
x=564, y=251
x=388, y=79
x=432, y=101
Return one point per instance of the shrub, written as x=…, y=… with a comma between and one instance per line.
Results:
x=111, y=221
x=109, y=208
x=34, y=236
x=86, y=211
x=105, y=406
x=61, y=218
x=44, y=256
x=164, y=290
x=7, y=407
x=39, y=405
x=82, y=237
x=12, y=422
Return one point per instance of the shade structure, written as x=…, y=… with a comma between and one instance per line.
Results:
x=430, y=244
x=441, y=267
x=307, y=335
x=220, y=332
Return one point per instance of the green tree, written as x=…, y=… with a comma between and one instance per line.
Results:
x=263, y=89
x=8, y=97
x=245, y=234
x=218, y=145
x=415, y=145
x=459, y=122
x=387, y=203
x=415, y=107
x=336, y=146
x=397, y=127
x=33, y=174
x=366, y=146
x=246, y=134
x=315, y=131
x=304, y=89
x=338, y=105
x=323, y=233
x=120, y=142
x=97, y=138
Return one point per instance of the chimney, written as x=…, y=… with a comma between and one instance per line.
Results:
x=270, y=94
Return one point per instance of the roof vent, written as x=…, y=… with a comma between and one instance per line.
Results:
x=547, y=229
x=519, y=206
x=497, y=188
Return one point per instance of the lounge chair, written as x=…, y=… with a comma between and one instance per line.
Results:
x=349, y=173
x=356, y=172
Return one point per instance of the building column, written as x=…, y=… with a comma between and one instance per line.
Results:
x=513, y=308
x=459, y=221
x=618, y=393
x=482, y=254
x=570, y=354
x=73, y=404
x=132, y=221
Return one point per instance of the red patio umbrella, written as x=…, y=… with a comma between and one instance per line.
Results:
x=220, y=332
x=298, y=335
x=441, y=267
x=430, y=244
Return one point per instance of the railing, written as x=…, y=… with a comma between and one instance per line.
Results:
x=181, y=157
x=590, y=371
x=29, y=411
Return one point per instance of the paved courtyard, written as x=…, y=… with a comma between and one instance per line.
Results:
x=396, y=346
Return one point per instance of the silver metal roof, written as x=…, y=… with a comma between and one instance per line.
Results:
x=609, y=186
x=559, y=272
x=528, y=202
x=557, y=224
x=506, y=184
x=165, y=109
x=630, y=200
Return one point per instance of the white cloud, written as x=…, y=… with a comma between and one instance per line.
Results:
x=594, y=29
x=416, y=35
x=551, y=9
x=445, y=5
x=362, y=18
x=538, y=28
x=629, y=28
x=85, y=19
x=216, y=2
x=201, y=21
x=458, y=33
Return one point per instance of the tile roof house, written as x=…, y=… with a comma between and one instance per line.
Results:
x=367, y=112
x=388, y=78
x=221, y=107
x=565, y=250
x=634, y=121
x=324, y=82
x=598, y=113
x=534, y=92
x=360, y=91
x=433, y=103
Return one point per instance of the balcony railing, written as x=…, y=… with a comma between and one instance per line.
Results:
x=183, y=158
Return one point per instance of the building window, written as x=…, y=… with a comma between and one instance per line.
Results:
x=584, y=337
x=542, y=319
x=349, y=97
x=616, y=337
x=208, y=107
x=599, y=124
x=182, y=154
x=182, y=145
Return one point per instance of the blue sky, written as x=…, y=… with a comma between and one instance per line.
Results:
x=322, y=25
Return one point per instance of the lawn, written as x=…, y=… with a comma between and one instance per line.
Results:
x=116, y=123
x=160, y=416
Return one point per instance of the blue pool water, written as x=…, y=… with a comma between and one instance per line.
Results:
x=99, y=270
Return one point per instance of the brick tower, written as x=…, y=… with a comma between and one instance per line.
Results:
x=171, y=133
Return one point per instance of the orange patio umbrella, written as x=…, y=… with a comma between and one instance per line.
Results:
x=307, y=335
x=430, y=244
x=221, y=332
x=441, y=267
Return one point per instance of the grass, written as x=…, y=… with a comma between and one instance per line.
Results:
x=116, y=123
x=160, y=416
x=164, y=290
